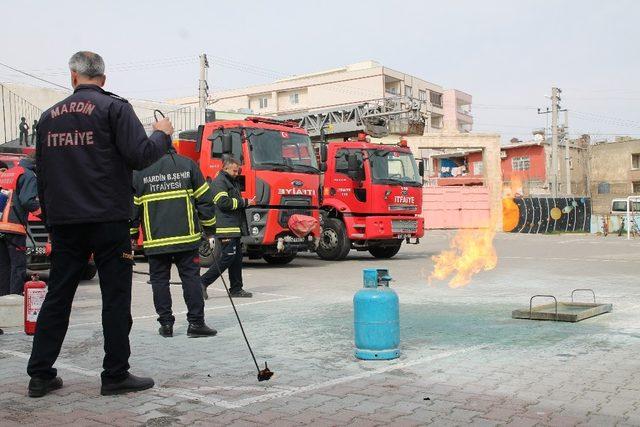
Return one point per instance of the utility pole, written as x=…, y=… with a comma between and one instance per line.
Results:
x=555, y=164
x=554, y=140
x=203, y=87
x=567, y=158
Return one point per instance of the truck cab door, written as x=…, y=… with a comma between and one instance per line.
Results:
x=349, y=180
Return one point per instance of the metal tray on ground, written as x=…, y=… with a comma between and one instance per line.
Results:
x=562, y=311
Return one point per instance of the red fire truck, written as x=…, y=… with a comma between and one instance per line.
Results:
x=38, y=246
x=372, y=198
x=279, y=169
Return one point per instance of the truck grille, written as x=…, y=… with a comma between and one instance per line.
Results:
x=298, y=204
x=39, y=232
x=404, y=226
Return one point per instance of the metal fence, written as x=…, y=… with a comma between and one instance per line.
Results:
x=14, y=107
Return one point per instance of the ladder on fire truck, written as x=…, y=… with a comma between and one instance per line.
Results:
x=378, y=118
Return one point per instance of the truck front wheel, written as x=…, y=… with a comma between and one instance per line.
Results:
x=385, y=251
x=207, y=254
x=334, y=242
x=278, y=260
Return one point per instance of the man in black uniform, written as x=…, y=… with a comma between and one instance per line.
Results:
x=24, y=131
x=229, y=225
x=34, y=131
x=167, y=197
x=87, y=146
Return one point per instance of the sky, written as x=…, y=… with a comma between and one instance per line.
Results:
x=506, y=54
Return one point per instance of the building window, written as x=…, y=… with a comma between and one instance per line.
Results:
x=635, y=161
x=294, y=98
x=636, y=187
x=264, y=102
x=520, y=163
x=604, y=188
x=477, y=168
x=422, y=95
x=408, y=91
x=435, y=98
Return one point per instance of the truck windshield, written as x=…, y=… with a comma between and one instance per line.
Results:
x=392, y=167
x=282, y=150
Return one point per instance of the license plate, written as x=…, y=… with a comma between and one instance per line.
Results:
x=39, y=250
x=403, y=236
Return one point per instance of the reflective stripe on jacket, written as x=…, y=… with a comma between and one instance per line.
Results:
x=9, y=185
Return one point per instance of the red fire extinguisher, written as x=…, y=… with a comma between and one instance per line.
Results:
x=34, y=292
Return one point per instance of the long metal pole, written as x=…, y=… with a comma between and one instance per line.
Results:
x=4, y=117
x=567, y=158
x=554, y=142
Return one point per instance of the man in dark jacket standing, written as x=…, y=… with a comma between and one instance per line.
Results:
x=229, y=225
x=171, y=200
x=13, y=232
x=24, y=131
x=88, y=145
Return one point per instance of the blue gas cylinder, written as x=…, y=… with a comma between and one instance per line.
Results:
x=376, y=312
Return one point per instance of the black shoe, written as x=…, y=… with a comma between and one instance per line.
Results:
x=128, y=385
x=166, y=330
x=205, y=295
x=39, y=387
x=1, y=332
x=196, y=330
x=241, y=294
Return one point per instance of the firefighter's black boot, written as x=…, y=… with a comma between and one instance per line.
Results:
x=166, y=330
x=1, y=332
x=197, y=330
x=241, y=294
x=38, y=387
x=127, y=385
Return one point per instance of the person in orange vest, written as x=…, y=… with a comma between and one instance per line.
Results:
x=19, y=197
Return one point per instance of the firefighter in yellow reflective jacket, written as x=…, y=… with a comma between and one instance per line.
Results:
x=231, y=221
x=171, y=200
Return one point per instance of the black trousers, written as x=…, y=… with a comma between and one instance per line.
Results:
x=189, y=270
x=71, y=247
x=25, y=136
x=13, y=263
x=231, y=259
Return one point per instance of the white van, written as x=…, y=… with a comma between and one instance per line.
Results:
x=619, y=206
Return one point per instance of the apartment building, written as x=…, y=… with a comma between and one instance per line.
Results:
x=445, y=109
x=615, y=172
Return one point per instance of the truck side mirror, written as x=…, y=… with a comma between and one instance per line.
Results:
x=227, y=144
x=199, y=138
x=421, y=168
x=323, y=152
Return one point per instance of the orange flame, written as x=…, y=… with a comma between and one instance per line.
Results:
x=470, y=251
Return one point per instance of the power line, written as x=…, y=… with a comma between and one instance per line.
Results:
x=35, y=77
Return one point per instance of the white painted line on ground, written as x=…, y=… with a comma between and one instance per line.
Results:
x=218, y=307
x=367, y=374
x=166, y=391
x=222, y=290
x=567, y=259
x=282, y=392
x=211, y=400
x=58, y=365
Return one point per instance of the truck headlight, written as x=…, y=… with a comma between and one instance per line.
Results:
x=255, y=231
x=256, y=217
